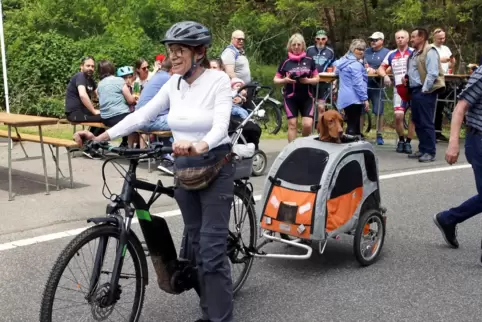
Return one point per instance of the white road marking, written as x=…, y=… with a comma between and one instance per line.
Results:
x=177, y=212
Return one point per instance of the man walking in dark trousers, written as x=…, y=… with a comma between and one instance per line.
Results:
x=425, y=80
x=470, y=103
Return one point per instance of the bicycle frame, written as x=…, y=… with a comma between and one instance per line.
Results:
x=155, y=230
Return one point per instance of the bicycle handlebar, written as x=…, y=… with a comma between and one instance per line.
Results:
x=257, y=87
x=155, y=150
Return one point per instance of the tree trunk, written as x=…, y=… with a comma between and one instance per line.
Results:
x=367, y=16
x=329, y=21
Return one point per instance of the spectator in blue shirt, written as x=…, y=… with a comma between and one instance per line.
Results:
x=374, y=56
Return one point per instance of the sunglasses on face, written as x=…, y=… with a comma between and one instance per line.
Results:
x=375, y=40
x=145, y=68
x=317, y=38
x=239, y=39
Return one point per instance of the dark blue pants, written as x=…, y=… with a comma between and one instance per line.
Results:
x=473, y=206
x=423, y=109
x=206, y=217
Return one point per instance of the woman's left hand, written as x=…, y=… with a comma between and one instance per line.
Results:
x=305, y=80
x=184, y=148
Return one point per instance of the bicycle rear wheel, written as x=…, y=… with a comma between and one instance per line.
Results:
x=80, y=304
x=272, y=119
x=242, y=235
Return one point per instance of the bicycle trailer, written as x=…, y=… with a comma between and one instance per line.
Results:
x=317, y=190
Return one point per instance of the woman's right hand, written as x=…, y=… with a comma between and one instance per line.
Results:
x=288, y=80
x=81, y=136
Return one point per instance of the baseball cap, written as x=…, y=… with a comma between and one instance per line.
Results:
x=377, y=35
x=321, y=32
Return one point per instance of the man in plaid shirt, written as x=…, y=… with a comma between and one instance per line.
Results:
x=470, y=106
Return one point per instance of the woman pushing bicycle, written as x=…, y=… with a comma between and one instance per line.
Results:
x=199, y=103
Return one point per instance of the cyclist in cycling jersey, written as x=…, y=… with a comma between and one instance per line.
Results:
x=199, y=102
x=397, y=60
x=297, y=73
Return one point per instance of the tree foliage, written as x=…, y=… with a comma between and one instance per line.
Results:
x=46, y=39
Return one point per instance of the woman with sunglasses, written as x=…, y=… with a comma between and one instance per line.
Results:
x=352, y=92
x=142, y=73
x=199, y=102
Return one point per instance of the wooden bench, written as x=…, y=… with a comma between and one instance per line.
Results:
x=68, y=144
x=64, y=121
x=162, y=134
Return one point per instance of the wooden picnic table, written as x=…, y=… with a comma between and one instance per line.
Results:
x=21, y=120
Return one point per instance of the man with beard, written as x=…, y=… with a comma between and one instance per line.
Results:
x=78, y=99
x=324, y=57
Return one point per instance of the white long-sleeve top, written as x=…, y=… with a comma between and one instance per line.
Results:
x=197, y=112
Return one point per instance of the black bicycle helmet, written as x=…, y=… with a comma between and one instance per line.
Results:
x=189, y=33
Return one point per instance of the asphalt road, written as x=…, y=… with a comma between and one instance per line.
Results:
x=417, y=278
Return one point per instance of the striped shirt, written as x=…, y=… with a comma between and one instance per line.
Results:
x=472, y=93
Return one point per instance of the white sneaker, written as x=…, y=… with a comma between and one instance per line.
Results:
x=167, y=167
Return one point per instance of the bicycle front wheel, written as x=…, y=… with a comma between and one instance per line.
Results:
x=242, y=235
x=71, y=292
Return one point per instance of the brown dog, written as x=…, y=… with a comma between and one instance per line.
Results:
x=330, y=126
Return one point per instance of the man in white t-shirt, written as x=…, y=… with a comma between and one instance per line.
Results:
x=448, y=62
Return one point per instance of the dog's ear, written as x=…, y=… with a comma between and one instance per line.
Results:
x=321, y=125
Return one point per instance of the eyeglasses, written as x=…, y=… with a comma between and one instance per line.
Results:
x=176, y=52
x=360, y=49
x=239, y=39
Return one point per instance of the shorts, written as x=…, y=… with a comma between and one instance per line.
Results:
x=303, y=105
x=399, y=106
x=111, y=121
x=159, y=124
